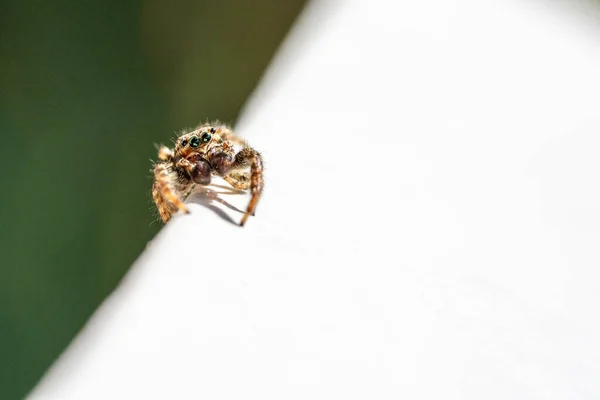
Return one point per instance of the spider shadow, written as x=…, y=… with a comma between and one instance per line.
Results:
x=205, y=196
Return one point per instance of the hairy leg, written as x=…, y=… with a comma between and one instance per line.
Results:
x=164, y=193
x=165, y=153
x=224, y=163
x=227, y=134
x=256, y=181
x=238, y=180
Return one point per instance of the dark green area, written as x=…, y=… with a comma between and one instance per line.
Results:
x=86, y=89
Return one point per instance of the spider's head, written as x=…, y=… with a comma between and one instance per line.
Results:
x=196, y=141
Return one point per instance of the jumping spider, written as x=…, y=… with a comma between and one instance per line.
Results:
x=199, y=154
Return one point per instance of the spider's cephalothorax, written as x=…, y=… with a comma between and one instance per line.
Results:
x=207, y=150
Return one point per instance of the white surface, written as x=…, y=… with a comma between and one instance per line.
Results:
x=429, y=227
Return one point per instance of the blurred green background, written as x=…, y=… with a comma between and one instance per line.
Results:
x=86, y=89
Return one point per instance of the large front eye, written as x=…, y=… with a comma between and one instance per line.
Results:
x=206, y=137
x=194, y=141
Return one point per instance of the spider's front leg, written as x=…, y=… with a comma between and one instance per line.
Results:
x=165, y=153
x=165, y=193
x=224, y=163
x=171, y=187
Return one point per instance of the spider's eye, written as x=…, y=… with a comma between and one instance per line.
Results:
x=183, y=143
x=206, y=137
x=194, y=141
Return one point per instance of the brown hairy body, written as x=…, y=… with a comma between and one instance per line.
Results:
x=198, y=155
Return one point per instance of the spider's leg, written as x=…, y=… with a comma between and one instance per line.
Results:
x=250, y=156
x=224, y=163
x=164, y=194
x=227, y=134
x=238, y=180
x=165, y=153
